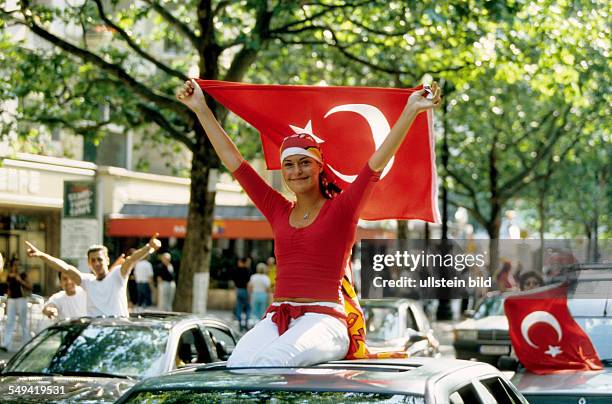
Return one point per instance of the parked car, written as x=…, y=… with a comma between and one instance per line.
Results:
x=484, y=337
x=398, y=324
x=590, y=302
x=413, y=380
x=100, y=358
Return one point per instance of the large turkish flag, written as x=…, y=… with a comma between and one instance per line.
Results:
x=545, y=336
x=352, y=122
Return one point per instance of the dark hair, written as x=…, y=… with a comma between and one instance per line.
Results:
x=97, y=247
x=328, y=189
x=530, y=274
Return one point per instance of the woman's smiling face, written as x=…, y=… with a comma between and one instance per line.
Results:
x=301, y=173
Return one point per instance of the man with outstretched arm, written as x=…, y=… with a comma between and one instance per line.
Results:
x=106, y=290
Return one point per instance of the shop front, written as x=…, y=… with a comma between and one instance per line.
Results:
x=31, y=201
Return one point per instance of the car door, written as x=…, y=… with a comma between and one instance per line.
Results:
x=191, y=348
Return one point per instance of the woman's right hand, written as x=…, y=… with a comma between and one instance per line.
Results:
x=192, y=96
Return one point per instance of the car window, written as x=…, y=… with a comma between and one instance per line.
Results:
x=114, y=349
x=224, y=337
x=468, y=394
x=46, y=347
x=411, y=320
x=598, y=330
x=455, y=398
x=500, y=391
x=191, y=348
x=381, y=323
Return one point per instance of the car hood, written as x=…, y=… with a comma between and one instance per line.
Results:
x=587, y=383
x=76, y=389
x=485, y=323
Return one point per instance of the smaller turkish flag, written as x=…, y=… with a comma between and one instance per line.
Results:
x=545, y=336
x=350, y=123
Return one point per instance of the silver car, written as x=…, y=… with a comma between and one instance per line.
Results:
x=398, y=325
x=97, y=359
x=413, y=380
x=590, y=303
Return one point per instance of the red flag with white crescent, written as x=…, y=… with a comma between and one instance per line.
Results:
x=545, y=336
x=351, y=123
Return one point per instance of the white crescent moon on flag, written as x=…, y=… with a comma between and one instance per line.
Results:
x=539, y=317
x=378, y=125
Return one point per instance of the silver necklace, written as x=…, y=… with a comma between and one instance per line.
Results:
x=307, y=214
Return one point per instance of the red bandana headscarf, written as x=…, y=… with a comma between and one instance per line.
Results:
x=305, y=145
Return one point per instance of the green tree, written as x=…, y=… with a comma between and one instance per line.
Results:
x=115, y=53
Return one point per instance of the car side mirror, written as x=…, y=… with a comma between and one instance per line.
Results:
x=469, y=313
x=2, y=365
x=507, y=363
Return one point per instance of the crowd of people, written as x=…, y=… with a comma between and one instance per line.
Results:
x=254, y=289
x=101, y=292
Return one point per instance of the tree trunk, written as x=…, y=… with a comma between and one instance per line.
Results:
x=542, y=227
x=493, y=229
x=195, y=263
x=402, y=230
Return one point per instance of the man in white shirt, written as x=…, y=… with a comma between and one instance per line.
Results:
x=106, y=290
x=71, y=302
x=143, y=274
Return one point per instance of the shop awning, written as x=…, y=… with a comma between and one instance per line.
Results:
x=231, y=222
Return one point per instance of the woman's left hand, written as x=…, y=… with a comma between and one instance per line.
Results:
x=418, y=100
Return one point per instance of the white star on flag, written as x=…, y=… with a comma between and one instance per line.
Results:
x=306, y=129
x=553, y=351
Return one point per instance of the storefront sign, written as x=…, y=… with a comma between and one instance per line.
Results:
x=79, y=199
x=77, y=236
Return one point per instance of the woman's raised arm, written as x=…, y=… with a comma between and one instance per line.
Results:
x=192, y=96
x=417, y=102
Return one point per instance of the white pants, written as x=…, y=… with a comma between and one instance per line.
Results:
x=165, y=295
x=16, y=307
x=312, y=338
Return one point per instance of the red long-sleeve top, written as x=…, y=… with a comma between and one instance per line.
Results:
x=310, y=260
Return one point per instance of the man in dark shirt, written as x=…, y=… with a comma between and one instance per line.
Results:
x=19, y=288
x=241, y=276
x=166, y=287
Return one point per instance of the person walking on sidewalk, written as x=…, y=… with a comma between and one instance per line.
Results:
x=241, y=275
x=259, y=287
x=143, y=274
x=19, y=288
x=313, y=236
x=106, y=290
x=165, y=283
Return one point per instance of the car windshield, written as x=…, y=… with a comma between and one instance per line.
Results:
x=266, y=396
x=125, y=351
x=598, y=329
x=490, y=306
x=381, y=323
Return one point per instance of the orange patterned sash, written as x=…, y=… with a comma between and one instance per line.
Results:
x=355, y=323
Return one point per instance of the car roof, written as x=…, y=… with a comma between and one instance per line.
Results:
x=146, y=319
x=389, y=376
x=589, y=382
